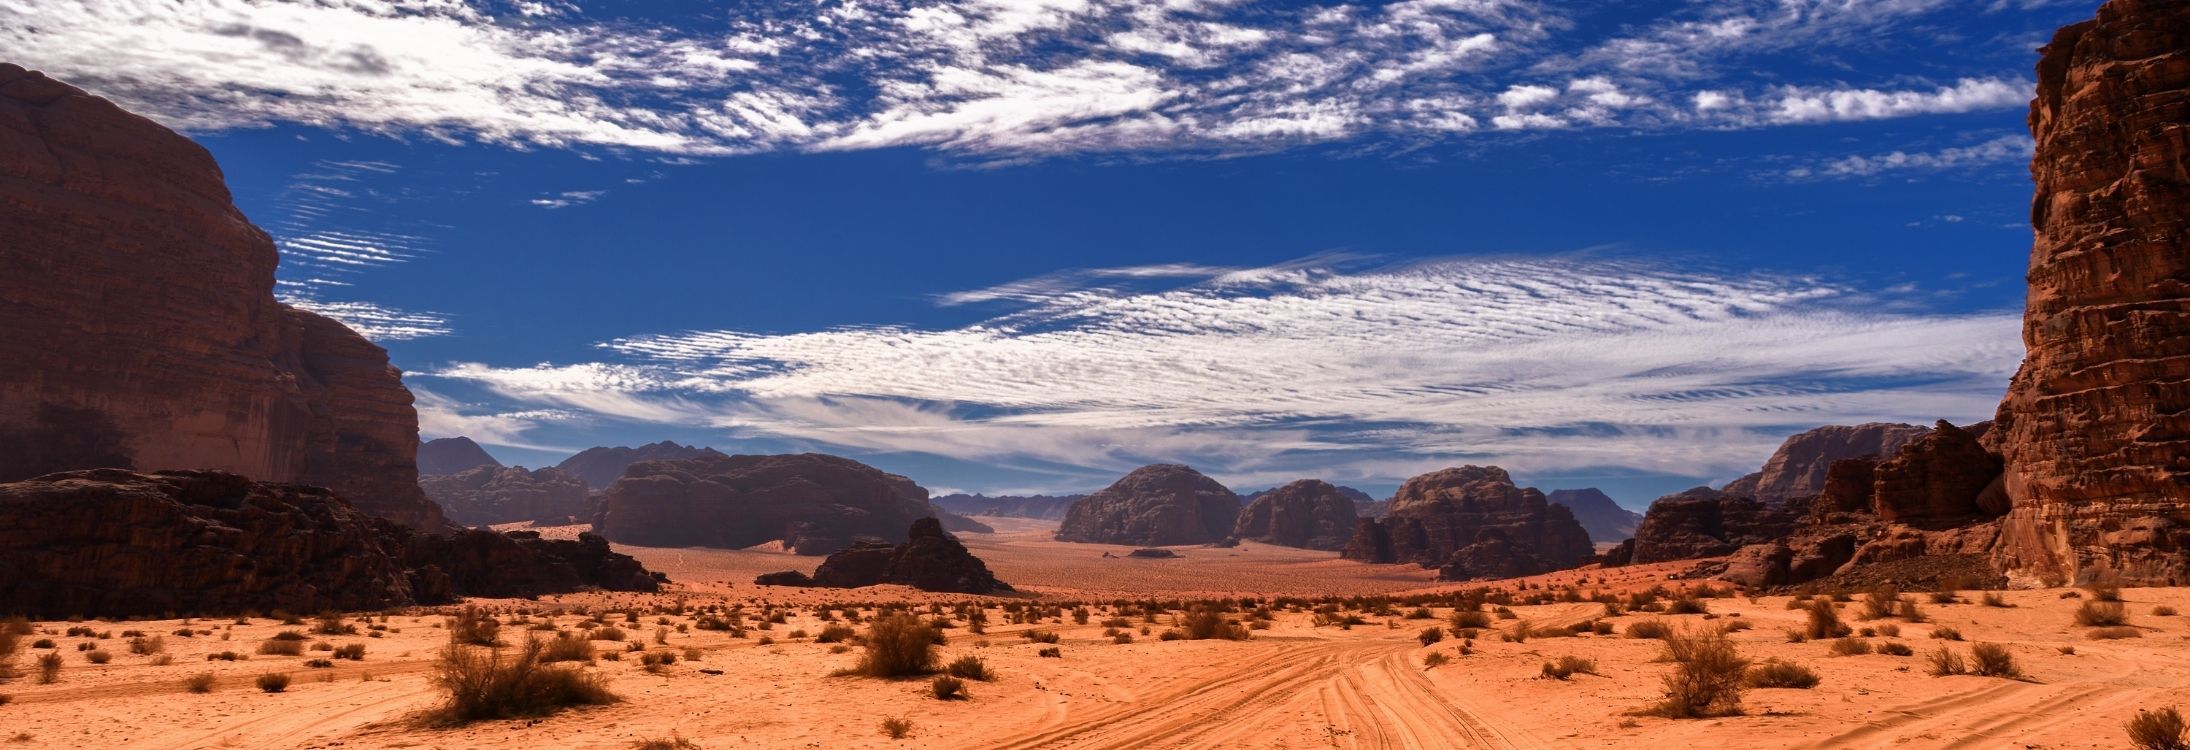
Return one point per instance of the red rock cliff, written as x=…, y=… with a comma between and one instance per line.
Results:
x=141, y=327
x=2096, y=426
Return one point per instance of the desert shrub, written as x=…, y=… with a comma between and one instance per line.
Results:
x=474, y=627
x=273, y=682
x=947, y=688
x=1993, y=599
x=98, y=656
x=320, y=664
x=350, y=651
x=1208, y=624
x=1568, y=666
x=1945, y=662
x=834, y=633
x=2104, y=591
x=1895, y=649
x=147, y=645
x=2158, y=730
x=1881, y=602
x=610, y=633
x=896, y=729
x=1430, y=636
x=1946, y=634
x=1850, y=647
x=1824, y=621
x=201, y=682
x=478, y=684
x=1039, y=636
x=1649, y=629
x=332, y=624
x=672, y=742
x=1468, y=619
x=1774, y=673
x=1708, y=680
x=2163, y=611
x=49, y=668
x=1944, y=597
x=1993, y=660
x=898, y=645
x=970, y=667
x=1121, y=638
x=1889, y=630
x=2102, y=614
x=1050, y=653
x=279, y=647
x=1687, y=605
x=2111, y=634
x=1435, y=659
x=567, y=647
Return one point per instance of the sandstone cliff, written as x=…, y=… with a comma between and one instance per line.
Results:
x=145, y=300
x=488, y=495
x=929, y=560
x=1309, y=513
x=814, y=504
x=1158, y=505
x=601, y=467
x=2096, y=425
x=1797, y=469
x=1471, y=522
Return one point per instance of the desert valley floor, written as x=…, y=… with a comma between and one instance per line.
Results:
x=1294, y=684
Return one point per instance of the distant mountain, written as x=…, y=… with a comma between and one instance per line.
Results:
x=1605, y=520
x=452, y=455
x=1039, y=507
x=601, y=467
x=1355, y=495
x=1372, y=508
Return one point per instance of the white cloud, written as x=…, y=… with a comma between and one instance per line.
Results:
x=2000, y=150
x=568, y=198
x=1802, y=105
x=1531, y=364
x=377, y=322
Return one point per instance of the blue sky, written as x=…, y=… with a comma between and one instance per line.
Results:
x=1025, y=246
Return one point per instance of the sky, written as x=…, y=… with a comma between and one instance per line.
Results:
x=1018, y=246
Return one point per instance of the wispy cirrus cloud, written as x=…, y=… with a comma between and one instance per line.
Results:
x=1356, y=371
x=2006, y=149
x=990, y=78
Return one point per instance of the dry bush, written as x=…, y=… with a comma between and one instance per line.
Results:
x=970, y=667
x=49, y=668
x=1649, y=629
x=1992, y=599
x=1880, y=603
x=98, y=656
x=947, y=688
x=1945, y=662
x=2105, y=591
x=474, y=627
x=2163, y=611
x=350, y=651
x=1208, y=624
x=2102, y=614
x=478, y=684
x=898, y=645
x=1896, y=649
x=2111, y=634
x=1946, y=634
x=610, y=633
x=1435, y=659
x=1824, y=621
x=1430, y=636
x=1708, y=681
x=567, y=647
x=1568, y=666
x=1468, y=619
x=896, y=729
x=1774, y=673
x=147, y=645
x=835, y=633
x=1050, y=653
x=273, y=682
x=278, y=646
x=672, y=742
x=2158, y=730
x=1850, y=647
x=1993, y=660
x=201, y=682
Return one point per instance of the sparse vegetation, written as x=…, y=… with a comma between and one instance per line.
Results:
x=273, y=682
x=2110, y=634
x=1850, y=647
x=201, y=682
x=1708, y=680
x=1435, y=659
x=673, y=742
x=1945, y=662
x=2158, y=730
x=49, y=668
x=896, y=729
x=947, y=688
x=1774, y=673
x=478, y=683
x=2102, y=613
x=1658, y=629
x=898, y=645
x=1568, y=666
x=970, y=667
x=1993, y=660
x=1824, y=621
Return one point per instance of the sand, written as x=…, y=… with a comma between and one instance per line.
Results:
x=1293, y=685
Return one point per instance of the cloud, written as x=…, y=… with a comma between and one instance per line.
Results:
x=375, y=321
x=441, y=416
x=2001, y=150
x=568, y=198
x=988, y=79
x=1355, y=371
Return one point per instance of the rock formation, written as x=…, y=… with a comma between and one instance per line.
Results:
x=2096, y=425
x=1797, y=469
x=1309, y=513
x=1158, y=505
x=1944, y=476
x=1038, y=507
x=1704, y=522
x=601, y=467
x=115, y=543
x=1471, y=522
x=142, y=330
x=1605, y=520
x=814, y=504
x=487, y=495
x=929, y=560
x=452, y=455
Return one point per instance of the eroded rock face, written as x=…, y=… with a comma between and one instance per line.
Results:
x=142, y=330
x=1797, y=469
x=452, y=455
x=1041, y=507
x=2095, y=429
x=601, y=467
x=1604, y=519
x=1935, y=478
x=1309, y=513
x=488, y=495
x=929, y=560
x=116, y=543
x=1158, y=505
x=1437, y=516
x=1703, y=522
x=814, y=504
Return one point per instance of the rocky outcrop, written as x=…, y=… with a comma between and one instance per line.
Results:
x=1159, y=505
x=929, y=560
x=115, y=543
x=1038, y=507
x=1940, y=477
x=1704, y=522
x=1471, y=522
x=142, y=330
x=601, y=467
x=1797, y=469
x=1309, y=513
x=487, y=495
x=2096, y=425
x=1605, y=520
x=452, y=455
x=814, y=504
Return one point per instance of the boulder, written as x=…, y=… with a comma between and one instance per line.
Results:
x=487, y=495
x=929, y=560
x=1797, y=469
x=814, y=504
x=452, y=455
x=1309, y=513
x=1438, y=515
x=1158, y=505
x=142, y=330
x=478, y=562
x=2095, y=429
